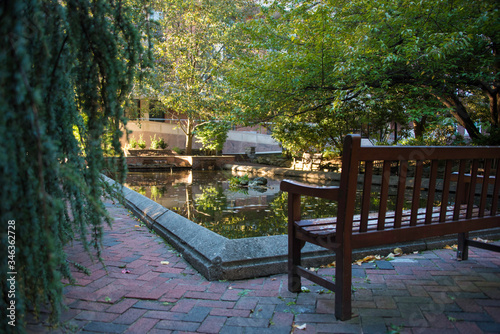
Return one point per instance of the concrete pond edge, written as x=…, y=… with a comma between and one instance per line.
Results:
x=219, y=258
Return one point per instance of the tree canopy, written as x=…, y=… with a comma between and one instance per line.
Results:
x=66, y=67
x=327, y=67
x=194, y=40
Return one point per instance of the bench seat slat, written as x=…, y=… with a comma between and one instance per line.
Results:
x=324, y=226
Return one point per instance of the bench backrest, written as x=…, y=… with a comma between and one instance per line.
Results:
x=418, y=187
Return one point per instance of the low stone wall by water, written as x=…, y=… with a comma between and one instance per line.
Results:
x=159, y=162
x=315, y=176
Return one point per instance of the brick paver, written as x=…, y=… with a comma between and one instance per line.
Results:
x=148, y=288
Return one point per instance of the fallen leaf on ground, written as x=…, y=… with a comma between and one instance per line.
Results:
x=369, y=258
x=481, y=240
x=302, y=327
x=331, y=265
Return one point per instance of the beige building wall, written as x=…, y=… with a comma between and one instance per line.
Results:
x=171, y=133
x=236, y=142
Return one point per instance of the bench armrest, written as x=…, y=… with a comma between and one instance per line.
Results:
x=330, y=192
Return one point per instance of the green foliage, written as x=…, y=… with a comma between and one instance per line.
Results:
x=369, y=62
x=137, y=143
x=158, y=143
x=141, y=143
x=194, y=42
x=437, y=135
x=133, y=143
x=492, y=139
x=157, y=192
x=212, y=135
x=65, y=66
x=177, y=150
x=239, y=181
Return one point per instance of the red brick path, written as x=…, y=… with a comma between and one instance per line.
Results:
x=147, y=287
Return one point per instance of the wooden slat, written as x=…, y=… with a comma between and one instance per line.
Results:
x=300, y=188
x=315, y=222
x=403, y=234
x=460, y=189
x=348, y=184
x=483, y=245
x=428, y=152
x=403, y=170
x=484, y=188
x=446, y=189
x=316, y=278
x=327, y=226
x=472, y=187
x=417, y=180
x=365, y=201
x=431, y=191
x=384, y=194
x=496, y=190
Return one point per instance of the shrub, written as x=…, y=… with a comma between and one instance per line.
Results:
x=141, y=142
x=212, y=135
x=157, y=143
x=133, y=143
x=162, y=143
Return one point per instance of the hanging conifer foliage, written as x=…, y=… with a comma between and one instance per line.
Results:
x=66, y=67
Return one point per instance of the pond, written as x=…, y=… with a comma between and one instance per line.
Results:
x=208, y=199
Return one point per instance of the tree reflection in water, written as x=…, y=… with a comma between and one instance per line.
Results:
x=206, y=198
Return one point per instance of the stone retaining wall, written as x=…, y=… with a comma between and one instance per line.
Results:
x=178, y=161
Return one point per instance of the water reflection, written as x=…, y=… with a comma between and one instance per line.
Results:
x=206, y=198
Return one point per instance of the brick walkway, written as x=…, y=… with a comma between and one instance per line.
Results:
x=148, y=287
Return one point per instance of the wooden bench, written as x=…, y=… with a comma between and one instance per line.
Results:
x=309, y=162
x=434, y=191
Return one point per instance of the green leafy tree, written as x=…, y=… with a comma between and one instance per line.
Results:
x=383, y=60
x=212, y=135
x=65, y=70
x=195, y=39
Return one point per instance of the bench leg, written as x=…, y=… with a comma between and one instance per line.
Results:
x=294, y=260
x=294, y=244
x=463, y=247
x=343, y=281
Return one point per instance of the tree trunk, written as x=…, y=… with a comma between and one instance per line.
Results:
x=189, y=143
x=419, y=128
x=189, y=136
x=460, y=113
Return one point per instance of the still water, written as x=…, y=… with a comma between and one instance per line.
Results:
x=206, y=198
